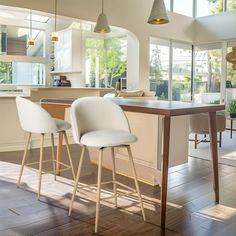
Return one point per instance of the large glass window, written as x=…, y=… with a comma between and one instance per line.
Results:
x=106, y=61
x=184, y=7
x=181, y=72
x=159, y=75
x=22, y=73
x=159, y=67
x=207, y=74
x=209, y=7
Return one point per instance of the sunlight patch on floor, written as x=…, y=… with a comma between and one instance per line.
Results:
x=219, y=213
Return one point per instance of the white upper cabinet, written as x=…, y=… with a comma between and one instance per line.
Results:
x=67, y=52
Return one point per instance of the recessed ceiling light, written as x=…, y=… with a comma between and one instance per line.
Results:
x=38, y=18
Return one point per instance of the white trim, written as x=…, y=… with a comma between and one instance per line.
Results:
x=19, y=145
x=223, y=72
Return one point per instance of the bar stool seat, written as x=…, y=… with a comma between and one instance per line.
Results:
x=34, y=119
x=107, y=138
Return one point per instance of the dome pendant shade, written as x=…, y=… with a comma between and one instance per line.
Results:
x=158, y=13
x=102, y=25
x=231, y=57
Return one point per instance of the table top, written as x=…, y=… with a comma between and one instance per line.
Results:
x=167, y=108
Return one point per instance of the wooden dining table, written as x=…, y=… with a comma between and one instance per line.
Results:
x=167, y=109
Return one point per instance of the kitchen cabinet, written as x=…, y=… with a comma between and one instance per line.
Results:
x=67, y=52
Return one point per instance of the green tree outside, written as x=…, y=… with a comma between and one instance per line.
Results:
x=108, y=60
x=5, y=72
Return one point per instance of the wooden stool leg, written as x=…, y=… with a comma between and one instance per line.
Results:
x=24, y=159
x=77, y=180
x=69, y=155
x=136, y=181
x=59, y=152
x=114, y=174
x=98, y=188
x=40, y=165
x=53, y=156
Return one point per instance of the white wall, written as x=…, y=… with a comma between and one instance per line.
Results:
x=215, y=28
x=129, y=14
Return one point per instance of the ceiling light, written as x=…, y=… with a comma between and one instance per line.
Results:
x=158, y=13
x=102, y=25
x=54, y=35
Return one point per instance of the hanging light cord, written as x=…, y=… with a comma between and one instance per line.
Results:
x=55, y=18
x=102, y=6
x=30, y=23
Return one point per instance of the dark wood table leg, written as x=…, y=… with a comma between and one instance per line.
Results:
x=165, y=164
x=214, y=153
x=59, y=152
x=231, y=128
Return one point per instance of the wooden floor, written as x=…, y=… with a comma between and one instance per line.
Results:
x=191, y=209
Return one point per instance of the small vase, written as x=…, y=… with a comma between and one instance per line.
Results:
x=232, y=115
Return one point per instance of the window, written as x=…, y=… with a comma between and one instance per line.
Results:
x=14, y=41
x=184, y=7
x=207, y=74
x=231, y=75
x=159, y=67
x=209, y=7
x=22, y=73
x=106, y=61
x=181, y=72
x=231, y=5
x=38, y=18
x=29, y=68
x=181, y=69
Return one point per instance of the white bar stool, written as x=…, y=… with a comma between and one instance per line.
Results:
x=99, y=122
x=34, y=119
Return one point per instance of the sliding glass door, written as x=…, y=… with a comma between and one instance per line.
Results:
x=207, y=79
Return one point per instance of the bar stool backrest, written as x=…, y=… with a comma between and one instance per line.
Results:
x=96, y=113
x=34, y=118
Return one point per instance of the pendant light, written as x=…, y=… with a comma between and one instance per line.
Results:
x=30, y=41
x=54, y=35
x=231, y=57
x=158, y=13
x=102, y=25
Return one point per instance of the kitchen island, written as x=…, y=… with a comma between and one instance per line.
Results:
x=167, y=111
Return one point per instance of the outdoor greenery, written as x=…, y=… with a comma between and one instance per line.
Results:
x=214, y=70
x=159, y=72
x=232, y=106
x=107, y=59
x=5, y=72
